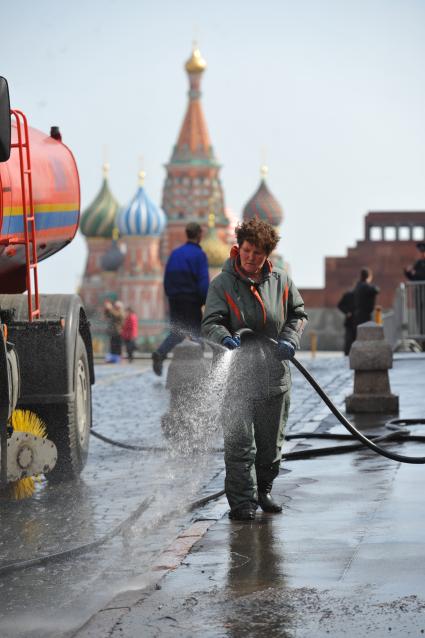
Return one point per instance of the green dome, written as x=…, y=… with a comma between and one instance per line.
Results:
x=98, y=219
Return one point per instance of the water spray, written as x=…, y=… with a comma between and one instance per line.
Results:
x=248, y=336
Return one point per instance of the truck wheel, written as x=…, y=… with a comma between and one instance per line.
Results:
x=68, y=424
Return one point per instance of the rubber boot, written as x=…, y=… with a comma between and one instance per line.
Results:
x=266, y=501
x=245, y=512
x=157, y=360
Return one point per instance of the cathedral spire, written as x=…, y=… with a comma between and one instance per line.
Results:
x=193, y=170
x=195, y=66
x=193, y=143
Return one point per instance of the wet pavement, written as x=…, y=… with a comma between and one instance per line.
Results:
x=345, y=558
x=91, y=539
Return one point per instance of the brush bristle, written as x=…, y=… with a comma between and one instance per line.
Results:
x=24, y=488
x=25, y=421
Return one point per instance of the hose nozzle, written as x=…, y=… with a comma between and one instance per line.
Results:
x=246, y=336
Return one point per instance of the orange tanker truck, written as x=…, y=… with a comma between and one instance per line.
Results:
x=46, y=356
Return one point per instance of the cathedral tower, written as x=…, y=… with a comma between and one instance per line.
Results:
x=192, y=185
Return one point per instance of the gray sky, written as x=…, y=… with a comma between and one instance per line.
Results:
x=333, y=92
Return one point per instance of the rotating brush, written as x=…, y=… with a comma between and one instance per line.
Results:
x=25, y=421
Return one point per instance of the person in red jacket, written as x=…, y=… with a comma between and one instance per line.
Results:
x=129, y=333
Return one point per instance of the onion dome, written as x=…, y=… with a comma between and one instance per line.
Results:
x=196, y=63
x=215, y=248
x=263, y=204
x=114, y=257
x=98, y=219
x=141, y=216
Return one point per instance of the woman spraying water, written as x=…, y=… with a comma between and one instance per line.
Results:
x=251, y=293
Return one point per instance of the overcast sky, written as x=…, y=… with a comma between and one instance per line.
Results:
x=333, y=94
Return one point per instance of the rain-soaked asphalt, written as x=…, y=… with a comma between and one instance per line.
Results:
x=116, y=487
x=133, y=503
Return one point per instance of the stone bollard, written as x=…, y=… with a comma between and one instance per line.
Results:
x=186, y=377
x=371, y=357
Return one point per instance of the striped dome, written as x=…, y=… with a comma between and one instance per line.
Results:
x=98, y=219
x=141, y=216
x=264, y=205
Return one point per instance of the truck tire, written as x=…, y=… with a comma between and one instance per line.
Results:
x=68, y=424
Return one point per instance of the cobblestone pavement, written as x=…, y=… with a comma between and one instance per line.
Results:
x=142, y=496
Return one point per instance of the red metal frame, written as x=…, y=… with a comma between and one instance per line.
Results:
x=30, y=236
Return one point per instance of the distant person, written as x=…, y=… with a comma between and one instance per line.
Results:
x=129, y=332
x=346, y=306
x=186, y=282
x=364, y=297
x=417, y=271
x=114, y=313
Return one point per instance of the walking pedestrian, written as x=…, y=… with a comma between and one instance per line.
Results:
x=114, y=313
x=346, y=305
x=129, y=332
x=251, y=293
x=186, y=281
x=364, y=297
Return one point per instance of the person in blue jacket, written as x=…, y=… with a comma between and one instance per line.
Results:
x=186, y=282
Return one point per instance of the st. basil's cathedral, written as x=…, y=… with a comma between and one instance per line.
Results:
x=128, y=245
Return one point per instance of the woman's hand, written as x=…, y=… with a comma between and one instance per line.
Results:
x=231, y=343
x=285, y=350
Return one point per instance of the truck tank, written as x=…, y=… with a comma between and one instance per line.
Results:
x=56, y=200
x=46, y=354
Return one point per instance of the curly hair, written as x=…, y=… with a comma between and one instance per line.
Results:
x=259, y=233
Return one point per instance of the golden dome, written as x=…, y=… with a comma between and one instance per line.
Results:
x=215, y=248
x=196, y=63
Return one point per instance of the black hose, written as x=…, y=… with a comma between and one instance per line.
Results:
x=127, y=446
x=79, y=549
x=320, y=451
x=120, y=527
x=139, y=448
x=397, y=422
x=349, y=426
x=325, y=435
x=398, y=435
